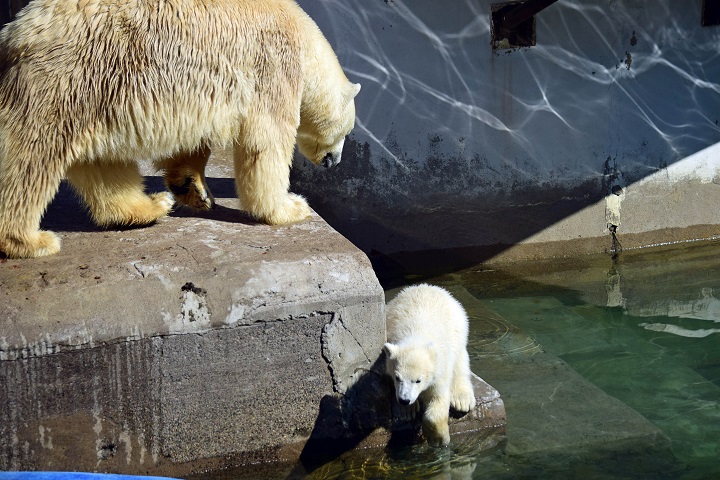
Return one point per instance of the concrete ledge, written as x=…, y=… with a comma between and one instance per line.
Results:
x=199, y=338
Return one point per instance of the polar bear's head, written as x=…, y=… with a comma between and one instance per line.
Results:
x=325, y=124
x=412, y=368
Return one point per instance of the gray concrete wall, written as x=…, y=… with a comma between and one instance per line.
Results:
x=459, y=145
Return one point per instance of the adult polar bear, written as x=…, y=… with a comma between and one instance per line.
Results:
x=88, y=87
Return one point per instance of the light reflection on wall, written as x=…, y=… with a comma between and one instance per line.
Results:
x=612, y=89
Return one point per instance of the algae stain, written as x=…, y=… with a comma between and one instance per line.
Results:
x=628, y=60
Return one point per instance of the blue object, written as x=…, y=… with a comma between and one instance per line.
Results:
x=72, y=476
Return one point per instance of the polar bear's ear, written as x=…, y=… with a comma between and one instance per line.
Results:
x=352, y=90
x=390, y=350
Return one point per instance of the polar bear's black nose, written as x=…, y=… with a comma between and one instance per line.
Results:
x=329, y=160
x=404, y=401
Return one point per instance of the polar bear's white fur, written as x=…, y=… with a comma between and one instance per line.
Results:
x=426, y=355
x=88, y=87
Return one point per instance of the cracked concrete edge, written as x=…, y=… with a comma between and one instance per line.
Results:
x=344, y=343
x=184, y=303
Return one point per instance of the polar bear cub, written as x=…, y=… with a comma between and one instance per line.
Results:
x=426, y=355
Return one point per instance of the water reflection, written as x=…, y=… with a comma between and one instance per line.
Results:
x=705, y=308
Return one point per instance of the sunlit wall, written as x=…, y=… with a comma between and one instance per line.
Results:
x=457, y=144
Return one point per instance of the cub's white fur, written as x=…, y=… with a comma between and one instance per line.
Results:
x=427, y=355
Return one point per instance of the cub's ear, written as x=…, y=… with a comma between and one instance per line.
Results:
x=390, y=350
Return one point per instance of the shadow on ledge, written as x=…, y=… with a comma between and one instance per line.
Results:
x=367, y=422
x=66, y=213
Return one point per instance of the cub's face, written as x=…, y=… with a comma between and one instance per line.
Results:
x=411, y=368
x=321, y=136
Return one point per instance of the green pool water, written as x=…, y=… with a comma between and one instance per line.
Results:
x=644, y=329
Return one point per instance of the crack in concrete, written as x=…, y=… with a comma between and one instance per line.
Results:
x=135, y=265
x=353, y=337
x=189, y=252
x=329, y=353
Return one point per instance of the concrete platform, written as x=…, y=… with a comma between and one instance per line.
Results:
x=202, y=342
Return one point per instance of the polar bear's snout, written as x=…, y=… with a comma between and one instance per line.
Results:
x=330, y=160
x=334, y=156
x=407, y=392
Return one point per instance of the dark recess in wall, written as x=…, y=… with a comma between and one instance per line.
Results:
x=710, y=13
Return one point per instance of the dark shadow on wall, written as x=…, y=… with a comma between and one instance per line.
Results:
x=405, y=237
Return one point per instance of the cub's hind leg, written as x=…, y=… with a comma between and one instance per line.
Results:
x=114, y=193
x=185, y=178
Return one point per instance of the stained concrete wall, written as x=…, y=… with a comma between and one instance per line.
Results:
x=459, y=145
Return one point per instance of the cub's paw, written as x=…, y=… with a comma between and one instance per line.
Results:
x=38, y=244
x=463, y=401
x=294, y=209
x=437, y=434
x=192, y=192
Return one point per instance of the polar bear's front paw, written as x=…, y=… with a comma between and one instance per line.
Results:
x=437, y=434
x=463, y=401
x=294, y=209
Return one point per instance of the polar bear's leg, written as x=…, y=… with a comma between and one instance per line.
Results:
x=185, y=178
x=114, y=194
x=462, y=396
x=262, y=173
x=435, y=421
x=26, y=189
